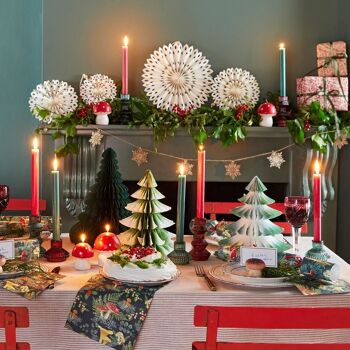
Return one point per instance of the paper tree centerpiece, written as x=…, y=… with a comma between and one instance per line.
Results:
x=147, y=224
x=105, y=202
x=254, y=226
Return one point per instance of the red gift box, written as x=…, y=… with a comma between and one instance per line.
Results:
x=331, y=59
x=331, y=92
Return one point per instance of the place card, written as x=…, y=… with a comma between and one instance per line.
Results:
x=267, y=255
x=7, y=248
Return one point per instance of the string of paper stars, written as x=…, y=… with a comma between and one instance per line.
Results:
x=233, y=169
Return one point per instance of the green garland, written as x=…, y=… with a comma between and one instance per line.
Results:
x=226, y=125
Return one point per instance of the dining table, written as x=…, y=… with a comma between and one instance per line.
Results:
x=169, y=322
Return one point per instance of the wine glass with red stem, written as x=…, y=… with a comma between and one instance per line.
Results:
x=297, y=211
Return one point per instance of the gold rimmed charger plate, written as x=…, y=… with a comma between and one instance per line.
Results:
x=233, y=275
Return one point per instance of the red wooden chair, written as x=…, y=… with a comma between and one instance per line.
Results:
x=10, y=319
x=214, y=208
x=214, y=317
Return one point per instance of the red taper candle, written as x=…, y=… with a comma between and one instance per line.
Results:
x=200, y=182
x=317, y=202
x=35, y=178
x=125, y=87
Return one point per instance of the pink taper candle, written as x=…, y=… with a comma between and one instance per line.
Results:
x=125, y=87
x=200, y=182
x=317, y=203
x=35, y=178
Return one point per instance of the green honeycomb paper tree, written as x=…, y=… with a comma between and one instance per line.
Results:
x=105, y=202
x=147, y=224
x=254, y=228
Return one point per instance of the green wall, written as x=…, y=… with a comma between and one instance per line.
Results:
x=20, y=71
x=84, y=36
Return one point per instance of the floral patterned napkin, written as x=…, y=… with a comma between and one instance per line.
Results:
x=111, y=312
x=32, y=284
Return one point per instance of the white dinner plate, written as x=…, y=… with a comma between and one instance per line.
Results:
x=233, y=274
x=143, y=283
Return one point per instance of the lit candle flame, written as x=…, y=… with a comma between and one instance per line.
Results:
x=83, y=237
x=55, y=164
x=201, y=147
x=182, y=169
x=126, y=40
x=35, y=143
x=108, y=227
x=317, y=167
x=281, y=45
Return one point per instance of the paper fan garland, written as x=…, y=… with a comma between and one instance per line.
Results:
x=55, y=96
x=98, y=88
x=233, y=87
x=177, y=75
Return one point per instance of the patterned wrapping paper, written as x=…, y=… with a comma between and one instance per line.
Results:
x=325, y=90
x=110, y=312
x=333, y=53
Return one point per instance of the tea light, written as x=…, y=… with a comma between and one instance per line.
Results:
x=82, y=251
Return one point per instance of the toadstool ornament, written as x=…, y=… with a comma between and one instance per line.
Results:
x=266, y=111
x=2, y=263
x=254, y=267
x=106, y=243
x=101, y=110
x=82, y=251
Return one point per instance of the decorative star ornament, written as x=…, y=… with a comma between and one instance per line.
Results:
x=341, y=141
x=96, y=138
x=276, y=159
x=187, y=168
x=233, y=170
x=139, y=156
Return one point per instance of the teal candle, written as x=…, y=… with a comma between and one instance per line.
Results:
x=56, y=201
x=181, y=198
x=283, y=91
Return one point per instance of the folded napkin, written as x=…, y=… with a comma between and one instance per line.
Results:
x=110, y=312
x=32, y=284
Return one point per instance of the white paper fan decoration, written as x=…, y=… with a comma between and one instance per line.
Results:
x=97, y=88
x=177, y=75
x=55, y=96
x=233, y=87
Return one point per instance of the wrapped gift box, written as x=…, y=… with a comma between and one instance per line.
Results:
x=27, y=249
x=333, y=53
x=324, y=90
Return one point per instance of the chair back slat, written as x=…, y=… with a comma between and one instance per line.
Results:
x=214, y=208
x=298, y=318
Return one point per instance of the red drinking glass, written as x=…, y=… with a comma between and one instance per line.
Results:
x=297, y=211
x=4, y=197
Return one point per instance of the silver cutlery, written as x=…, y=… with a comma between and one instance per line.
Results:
x=200, y=272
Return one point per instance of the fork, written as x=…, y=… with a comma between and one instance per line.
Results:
x=200, y=272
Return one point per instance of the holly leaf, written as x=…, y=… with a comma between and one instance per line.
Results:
x=57, y=134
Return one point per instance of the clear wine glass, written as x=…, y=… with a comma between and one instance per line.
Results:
x=4, y=197
x=297, y=211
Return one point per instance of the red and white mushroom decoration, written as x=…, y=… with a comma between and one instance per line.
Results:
x=101, y=110
x=267, y=111
x=82, y=252
x=106, y=243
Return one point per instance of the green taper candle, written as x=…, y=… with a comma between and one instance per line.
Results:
x=181, y=198
x=56, y=201
x=283, y=91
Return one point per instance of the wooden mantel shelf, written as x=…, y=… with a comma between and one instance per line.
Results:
x=124, y=130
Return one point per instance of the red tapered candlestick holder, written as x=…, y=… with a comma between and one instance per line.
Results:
x=198, y=227
x=56, y=253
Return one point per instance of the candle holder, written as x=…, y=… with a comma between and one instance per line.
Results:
x=35, y=228
x=56, y=253
x=284, y=111
x=198, y=227
x=125, y=110
x=317, y=252
x=179, y=256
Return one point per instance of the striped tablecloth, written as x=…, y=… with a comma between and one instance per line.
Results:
x=169, y=324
